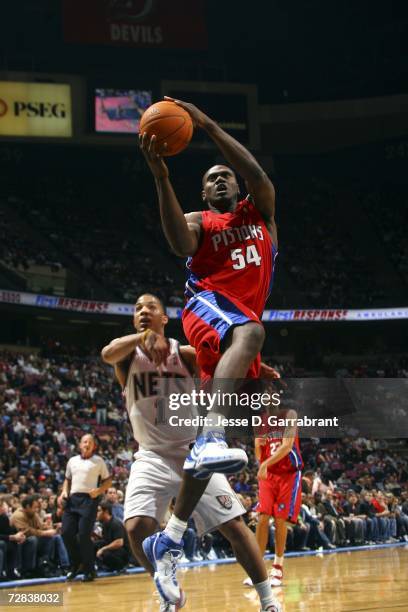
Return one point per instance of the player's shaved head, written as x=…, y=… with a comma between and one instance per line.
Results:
x=220, y=188
x=216, y=169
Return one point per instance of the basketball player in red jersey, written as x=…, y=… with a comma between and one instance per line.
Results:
x=280, y=478
x=231, y=248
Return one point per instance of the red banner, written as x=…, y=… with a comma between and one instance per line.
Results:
x=177, y=24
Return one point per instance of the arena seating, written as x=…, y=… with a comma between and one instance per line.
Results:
x=329, y=255
x=48, y=402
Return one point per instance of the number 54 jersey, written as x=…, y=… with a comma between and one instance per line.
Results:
x=236, y=257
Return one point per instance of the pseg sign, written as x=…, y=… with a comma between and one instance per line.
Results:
x=35, y=109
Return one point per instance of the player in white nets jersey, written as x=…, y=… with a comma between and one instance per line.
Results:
x=142, y=362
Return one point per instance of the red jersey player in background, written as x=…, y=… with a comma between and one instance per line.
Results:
x=280, y=478
x=231, y=249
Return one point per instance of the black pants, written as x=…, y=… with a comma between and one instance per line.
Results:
x=3, y=556
x=112, y=560
x=77, y=525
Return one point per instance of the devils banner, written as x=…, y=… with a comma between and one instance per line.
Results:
x=136, y=23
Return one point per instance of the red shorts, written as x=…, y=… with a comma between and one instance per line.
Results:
x=280, y=496
x=207, y=318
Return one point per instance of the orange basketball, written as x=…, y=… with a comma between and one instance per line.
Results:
x=170, y=123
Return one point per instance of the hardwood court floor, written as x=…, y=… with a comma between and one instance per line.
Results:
x=344, y=582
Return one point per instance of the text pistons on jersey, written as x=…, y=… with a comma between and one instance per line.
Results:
x=237, y=234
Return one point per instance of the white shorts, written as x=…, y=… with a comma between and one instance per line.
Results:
x=154, y=481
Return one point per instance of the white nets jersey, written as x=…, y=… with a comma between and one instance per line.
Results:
x=147, y=390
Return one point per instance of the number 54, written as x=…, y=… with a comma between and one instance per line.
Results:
x=249, y=256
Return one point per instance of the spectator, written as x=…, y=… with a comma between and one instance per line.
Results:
x=332, y=515
x=112, y=551
x=329, y=521
x=394, y=504
x=117, y=508
x=48, y=543
x=355, y=527
x=14, y=545
x=307, y=481
x=316, y=537
x=242, y=486
x=298, y=535
x=386, y=521
x=366, y=511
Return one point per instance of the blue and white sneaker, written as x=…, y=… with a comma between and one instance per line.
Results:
x=211, y=453
x=275, y=607
x=166, y=606
x=163, y=554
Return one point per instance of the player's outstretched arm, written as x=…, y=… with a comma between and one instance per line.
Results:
x=117, y=350
x=258, y=183
x=182, y=236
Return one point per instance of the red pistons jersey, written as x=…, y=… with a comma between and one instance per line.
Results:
x=273, y=435
x=235, y=258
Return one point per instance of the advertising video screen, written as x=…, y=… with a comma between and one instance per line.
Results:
x=119, y=110
x=35, y=109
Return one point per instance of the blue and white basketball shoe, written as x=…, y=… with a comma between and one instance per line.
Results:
x=166, y=606
x=211, y=453
x=163, y=554
x=275, y=607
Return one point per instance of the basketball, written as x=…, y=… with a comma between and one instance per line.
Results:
x=170, y=123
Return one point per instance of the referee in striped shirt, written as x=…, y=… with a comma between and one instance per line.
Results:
x=86, y=478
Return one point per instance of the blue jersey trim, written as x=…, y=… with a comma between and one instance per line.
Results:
x=216, y=311
x=294, y=493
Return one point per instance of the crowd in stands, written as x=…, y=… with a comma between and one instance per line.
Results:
x=355, y=490
x=46, y=404
x=320, y=252
x=19, y=251
x=84, y=234
x=387, y=209
x=118, y=245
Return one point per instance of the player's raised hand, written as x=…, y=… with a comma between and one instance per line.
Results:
x=157, y=347
x=154, y=159
x=199, y=118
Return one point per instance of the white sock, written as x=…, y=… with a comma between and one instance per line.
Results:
x=212, y=420
x=264, y=591
x=278, y=560
x=175, y=529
